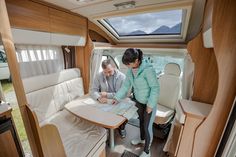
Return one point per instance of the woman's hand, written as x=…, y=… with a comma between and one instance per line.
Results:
x=114, y=102
x=148, y=109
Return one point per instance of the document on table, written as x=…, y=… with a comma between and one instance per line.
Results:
x=106, y=107
x=89, y=101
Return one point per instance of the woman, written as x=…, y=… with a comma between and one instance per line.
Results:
x=142, y=77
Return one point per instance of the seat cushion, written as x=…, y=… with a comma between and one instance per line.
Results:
x=163, y=114
x=79, y=137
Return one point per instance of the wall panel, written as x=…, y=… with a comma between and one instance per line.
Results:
x=206, y=73
x=28, y=15
x=224, y=38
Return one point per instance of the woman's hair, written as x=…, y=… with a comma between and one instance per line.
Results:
x=131, y=54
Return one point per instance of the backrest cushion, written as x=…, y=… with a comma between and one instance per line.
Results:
x=170, y=85
x=47, y=94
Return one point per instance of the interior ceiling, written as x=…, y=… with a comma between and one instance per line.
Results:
x=92, y=8
x=98, y=9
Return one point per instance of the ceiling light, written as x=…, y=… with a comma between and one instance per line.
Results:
x=125, y=5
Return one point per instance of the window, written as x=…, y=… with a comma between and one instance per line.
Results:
x=157, y=61
x=103, y=58
x=3, y=57
x=164, y=24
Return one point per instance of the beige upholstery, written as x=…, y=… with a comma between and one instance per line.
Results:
x=47, y=95
x=170, y=85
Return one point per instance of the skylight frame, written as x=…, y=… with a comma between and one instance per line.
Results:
x=150, y=37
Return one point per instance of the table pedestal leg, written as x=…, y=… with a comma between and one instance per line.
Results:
x=111, y=139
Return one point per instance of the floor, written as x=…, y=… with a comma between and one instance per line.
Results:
x=124, y=144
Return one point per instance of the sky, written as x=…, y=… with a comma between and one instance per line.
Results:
x=147, y=22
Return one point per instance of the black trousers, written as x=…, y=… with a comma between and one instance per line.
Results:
x=144, y=122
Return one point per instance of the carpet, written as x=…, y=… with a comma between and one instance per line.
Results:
x=128, y=154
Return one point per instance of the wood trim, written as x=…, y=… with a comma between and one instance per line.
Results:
x=51, y=142
x=95, y=37
x=80, y=62
x=223, y=30
x=88, y=52
x=206, y=75
x=48, y=138
x=186, y=143
x=83, y=55
x=151, y=45
x=14, y=70
x=94, y=27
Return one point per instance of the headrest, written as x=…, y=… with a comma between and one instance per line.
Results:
x=172, y=69
x=42, y=81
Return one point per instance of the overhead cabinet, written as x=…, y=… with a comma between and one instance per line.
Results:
x=34, y=16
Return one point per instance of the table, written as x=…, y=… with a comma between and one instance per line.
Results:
x=100, y=114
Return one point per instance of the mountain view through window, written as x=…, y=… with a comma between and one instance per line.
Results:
x=158, y=23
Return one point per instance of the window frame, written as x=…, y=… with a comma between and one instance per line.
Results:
x=149, y=38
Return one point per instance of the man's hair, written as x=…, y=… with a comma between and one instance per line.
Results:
x=105, y=63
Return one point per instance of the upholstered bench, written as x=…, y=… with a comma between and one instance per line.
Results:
x=47, y=96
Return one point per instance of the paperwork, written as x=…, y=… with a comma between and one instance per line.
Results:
x=125, y=108
x=89, y=101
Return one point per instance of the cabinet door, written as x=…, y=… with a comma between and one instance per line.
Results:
x=66, y=23
x=7, y=145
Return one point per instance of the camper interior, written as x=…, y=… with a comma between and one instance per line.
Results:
x=52, y=52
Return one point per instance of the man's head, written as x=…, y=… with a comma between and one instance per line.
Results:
x=108, y=69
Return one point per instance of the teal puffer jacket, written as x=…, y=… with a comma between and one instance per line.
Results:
x=145, y=84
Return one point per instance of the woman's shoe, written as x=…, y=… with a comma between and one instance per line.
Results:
x=137, y=141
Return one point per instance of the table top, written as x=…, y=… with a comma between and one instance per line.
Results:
x=195, y=109
x=80, y=108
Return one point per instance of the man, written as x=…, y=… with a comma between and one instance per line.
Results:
x=106, y=84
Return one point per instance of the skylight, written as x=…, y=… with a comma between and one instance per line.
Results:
x=146, y=24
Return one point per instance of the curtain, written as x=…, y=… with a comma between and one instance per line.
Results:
x=69, y=56
x=187, y=79
x=95, y=64
x=39, y=60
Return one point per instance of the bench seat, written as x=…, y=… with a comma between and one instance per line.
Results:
x=47, y=95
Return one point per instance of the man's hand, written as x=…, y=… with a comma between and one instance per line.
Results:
x=114, y=102
x=102, y=100
x=148, y=109
x=103, y=94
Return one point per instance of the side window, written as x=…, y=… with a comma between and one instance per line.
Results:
x=3, y=57
x=103, y=58
x=121, y=66
x=159, y=62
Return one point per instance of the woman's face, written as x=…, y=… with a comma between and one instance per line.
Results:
x=134, y=65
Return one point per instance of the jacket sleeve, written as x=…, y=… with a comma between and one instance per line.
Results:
x=154, y=87
x=95, y=89
x=122, y=92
